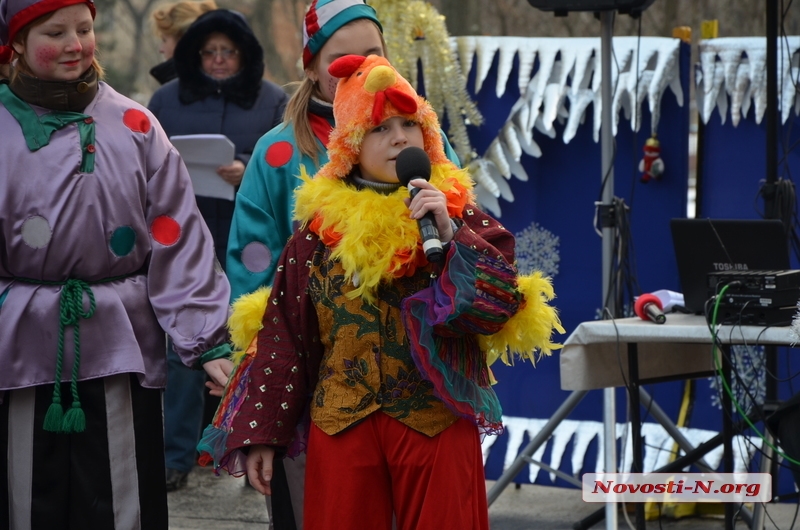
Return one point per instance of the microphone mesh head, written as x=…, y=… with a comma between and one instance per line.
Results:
x=412, y=163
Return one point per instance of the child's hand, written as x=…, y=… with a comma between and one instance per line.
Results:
x=218, y=370
x=430, y=199
x=214, y=389
x=259, y=468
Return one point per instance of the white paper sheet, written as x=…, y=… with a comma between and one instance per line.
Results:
x=203, y=154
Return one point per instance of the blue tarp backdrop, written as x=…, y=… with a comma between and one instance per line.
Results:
x=560, y=195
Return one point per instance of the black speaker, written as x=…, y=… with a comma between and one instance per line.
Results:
x=562, y=7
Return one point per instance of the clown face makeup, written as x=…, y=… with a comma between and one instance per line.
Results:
x=62, y=47
x=357, y=38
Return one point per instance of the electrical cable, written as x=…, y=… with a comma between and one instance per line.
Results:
x=622, y=281
x=763, y=417
x=718, y=367
x=747, y=391
x=743, y=386
x=638, y=114
x=796, y=511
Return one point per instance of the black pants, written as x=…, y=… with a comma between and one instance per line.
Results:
x=110, y=475
x=282, y=513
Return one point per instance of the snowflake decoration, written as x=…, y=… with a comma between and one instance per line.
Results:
x=537, y=250
x=748, y=362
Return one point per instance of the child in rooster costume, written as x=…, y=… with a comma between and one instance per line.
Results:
x=369, y=357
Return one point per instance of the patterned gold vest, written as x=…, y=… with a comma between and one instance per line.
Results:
x=368, y=366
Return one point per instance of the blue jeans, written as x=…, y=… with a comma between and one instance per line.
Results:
x=183, y=412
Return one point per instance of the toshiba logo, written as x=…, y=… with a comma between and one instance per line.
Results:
x=730, y=266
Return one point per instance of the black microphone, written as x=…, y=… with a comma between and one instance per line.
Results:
x=413, y=163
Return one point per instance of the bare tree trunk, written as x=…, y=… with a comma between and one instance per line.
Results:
x=126, y=83
x=670, y=18
x=263, y=16
x=463, y=16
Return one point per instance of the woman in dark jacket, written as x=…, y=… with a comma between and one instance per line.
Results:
x=219, y=90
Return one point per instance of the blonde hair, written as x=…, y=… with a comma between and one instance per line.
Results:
x=18, y=62
x=297, y=108
x=173, y=19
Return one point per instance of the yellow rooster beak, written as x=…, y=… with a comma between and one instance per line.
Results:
x=379, y=78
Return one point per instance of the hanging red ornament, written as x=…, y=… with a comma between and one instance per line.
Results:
x=651, y=166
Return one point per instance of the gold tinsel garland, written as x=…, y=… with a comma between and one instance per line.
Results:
x=414, y=30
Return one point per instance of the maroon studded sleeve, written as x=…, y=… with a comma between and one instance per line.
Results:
x=285, y=369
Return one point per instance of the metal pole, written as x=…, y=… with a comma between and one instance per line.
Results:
x=772, y=99
x=771, y=212
x=607, y=176
x=607, y=158
x=541, y=437
x=658, y=413
x=771, y=177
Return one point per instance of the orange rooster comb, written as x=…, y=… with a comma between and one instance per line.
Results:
x=371, y=91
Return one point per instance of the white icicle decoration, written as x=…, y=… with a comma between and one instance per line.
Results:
x=565, y=83
x=735, y=67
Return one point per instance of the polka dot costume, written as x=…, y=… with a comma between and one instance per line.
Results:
x=165, y=230
x=279, y=154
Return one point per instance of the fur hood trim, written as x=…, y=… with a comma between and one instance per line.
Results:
x=241, y=88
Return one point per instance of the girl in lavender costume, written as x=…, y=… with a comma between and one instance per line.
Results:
x=102, y=250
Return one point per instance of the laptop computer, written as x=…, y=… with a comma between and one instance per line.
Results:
x=713, y=245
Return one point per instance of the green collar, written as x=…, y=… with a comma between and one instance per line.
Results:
x=38, y=129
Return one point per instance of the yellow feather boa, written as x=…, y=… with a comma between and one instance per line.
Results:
x=373, y=228
x=247, y=314
x=374, y=237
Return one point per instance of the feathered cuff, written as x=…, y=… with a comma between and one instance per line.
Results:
x=476, y=312
x=213, y=443
x=477, y=293
x=530, y=329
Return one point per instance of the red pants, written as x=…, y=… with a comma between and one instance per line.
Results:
x=359, y=477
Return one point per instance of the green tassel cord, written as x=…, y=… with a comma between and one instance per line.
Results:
x=70, y=314
x=71, y=311
x=74, y=419
x=54, y=418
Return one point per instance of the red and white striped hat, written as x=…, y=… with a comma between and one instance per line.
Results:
x=325, y=17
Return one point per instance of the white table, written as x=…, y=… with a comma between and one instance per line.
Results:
x=609, y=353
x=679, y=349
